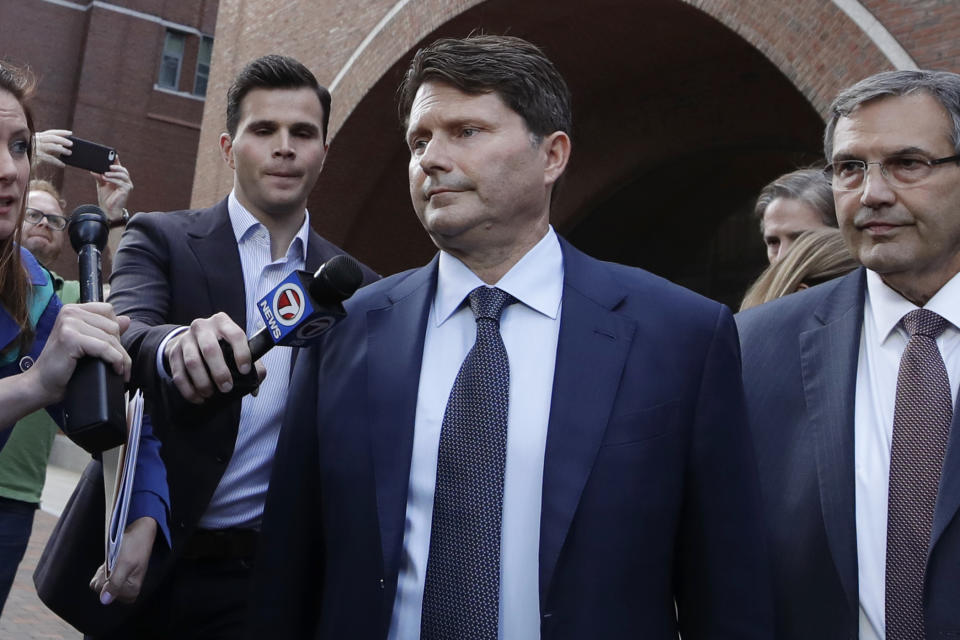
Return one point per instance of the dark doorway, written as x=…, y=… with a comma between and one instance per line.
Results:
x=678, y=124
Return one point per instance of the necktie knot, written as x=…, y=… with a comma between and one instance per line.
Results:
x=925, y=323
x=489, y=302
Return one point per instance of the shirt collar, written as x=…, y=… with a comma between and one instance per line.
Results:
x=888, y=307
x=9, y=329
x=246, y=228
x=37, y=274
x=536, y=280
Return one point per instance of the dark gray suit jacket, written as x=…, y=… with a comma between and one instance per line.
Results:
x=170, y=269
x=799, y=370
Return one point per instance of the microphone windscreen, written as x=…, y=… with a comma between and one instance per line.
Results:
x=88, y=208
x=336, y=280
x=88, y=225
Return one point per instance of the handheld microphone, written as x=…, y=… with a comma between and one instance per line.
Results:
x=293, y=319
x=297, y=311
x=95, y=416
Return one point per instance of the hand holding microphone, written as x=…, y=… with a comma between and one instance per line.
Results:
x=293, y=319
x=213, y=354
x=196, y=363
x=94, y=408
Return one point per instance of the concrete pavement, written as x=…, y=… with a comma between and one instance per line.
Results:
x=24, y=616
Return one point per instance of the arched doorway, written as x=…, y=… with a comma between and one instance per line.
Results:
x=683, y=109
x=678, y=123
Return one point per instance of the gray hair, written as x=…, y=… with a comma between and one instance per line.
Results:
x=942, y=85
x=809, y=186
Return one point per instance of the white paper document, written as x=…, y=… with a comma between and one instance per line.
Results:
x=126, y=470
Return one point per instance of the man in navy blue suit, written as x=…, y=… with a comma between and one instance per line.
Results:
x=851, y=385
x=625, y=503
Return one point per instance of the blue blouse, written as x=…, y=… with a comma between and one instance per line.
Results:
x=151, y=496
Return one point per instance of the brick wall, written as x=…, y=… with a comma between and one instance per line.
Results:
x=814, y=44
x=97, y=69
x=928, y=29
x=737, y=87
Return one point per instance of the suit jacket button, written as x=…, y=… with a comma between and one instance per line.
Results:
x=382, y=586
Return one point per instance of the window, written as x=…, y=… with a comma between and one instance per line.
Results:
x=203, y=66
x=171, y=61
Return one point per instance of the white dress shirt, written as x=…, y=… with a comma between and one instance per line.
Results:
x=530, y=329
x=882, y=342
x=239, y=498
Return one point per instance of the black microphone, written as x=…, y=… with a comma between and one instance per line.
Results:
x=297, y=311
x=95, y=416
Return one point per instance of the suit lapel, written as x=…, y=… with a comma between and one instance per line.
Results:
x=395, y=352
x=948, y=497
x=593, y=339
x=317, y=254
x=214, y=246
x=828, y=362
x=829, y=356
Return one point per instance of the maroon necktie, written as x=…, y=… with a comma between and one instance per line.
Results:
x=921, y=425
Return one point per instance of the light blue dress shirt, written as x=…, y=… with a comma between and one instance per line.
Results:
x=530, y=329
x=239, y=498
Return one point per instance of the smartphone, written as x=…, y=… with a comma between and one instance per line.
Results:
x=89, y=155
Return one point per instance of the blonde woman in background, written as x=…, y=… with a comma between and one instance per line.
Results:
x=816, y=256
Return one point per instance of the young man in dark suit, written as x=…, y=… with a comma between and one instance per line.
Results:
x=515, y=439
x=190, y=278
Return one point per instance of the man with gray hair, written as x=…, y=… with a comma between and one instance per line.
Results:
x=798, y=201
x=851, y=385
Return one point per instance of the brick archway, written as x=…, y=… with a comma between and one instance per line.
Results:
x=801, y=38
x=683, y=109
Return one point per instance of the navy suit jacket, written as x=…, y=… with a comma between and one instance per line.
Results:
x=650, y=494
x=800, y=357
x=171, y=268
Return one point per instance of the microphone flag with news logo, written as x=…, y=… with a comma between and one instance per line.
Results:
x=296, y=312
x=305, y=304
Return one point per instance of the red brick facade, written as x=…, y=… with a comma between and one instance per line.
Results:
x=928, y=29
x=97, y=64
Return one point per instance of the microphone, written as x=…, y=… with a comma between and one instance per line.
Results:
x=297, y=311
x=95, y=416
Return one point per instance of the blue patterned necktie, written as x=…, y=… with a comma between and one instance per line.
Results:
x=462, y=585
x=921, y=427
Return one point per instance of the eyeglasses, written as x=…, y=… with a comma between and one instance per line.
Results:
x=899, y=171
x=34, y=216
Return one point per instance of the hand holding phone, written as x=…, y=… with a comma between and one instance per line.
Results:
x=49, y=145
x=89, y=155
